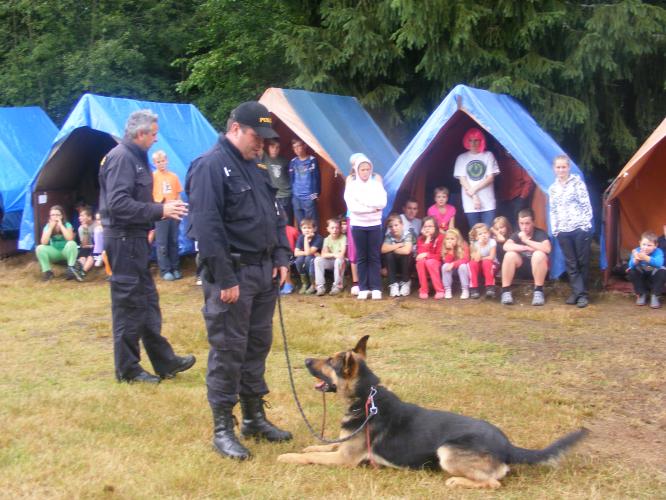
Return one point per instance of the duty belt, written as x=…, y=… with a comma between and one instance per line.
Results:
x=251, y=258
x=114, y=232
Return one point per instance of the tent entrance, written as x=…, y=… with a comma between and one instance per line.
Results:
x=435, y=168
x=331, y=201
x=70, y=176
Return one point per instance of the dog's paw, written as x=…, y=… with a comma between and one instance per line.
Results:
x=289, y=458
x=317, y=448
x=463, y=482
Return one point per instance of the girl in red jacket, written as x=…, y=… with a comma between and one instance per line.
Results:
x=428, y=258
x=455, y=255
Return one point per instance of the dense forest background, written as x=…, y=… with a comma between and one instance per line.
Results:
x=592, y=73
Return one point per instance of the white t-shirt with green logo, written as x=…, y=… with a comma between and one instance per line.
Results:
x=476, y=167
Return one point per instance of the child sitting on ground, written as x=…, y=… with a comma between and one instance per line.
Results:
x=429, y=258
x=397, y=253
x=482, y=260
x=308, y=245
x=501, y=231
x=444, y=214
x=646, y=270
x=332, y=257
x=455, y=255
x=85, y=260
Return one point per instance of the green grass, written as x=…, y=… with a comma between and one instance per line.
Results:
x=70, y=431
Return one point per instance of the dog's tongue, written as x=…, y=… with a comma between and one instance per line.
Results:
x=320, y=384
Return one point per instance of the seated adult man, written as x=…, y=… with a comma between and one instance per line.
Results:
x=526, y=254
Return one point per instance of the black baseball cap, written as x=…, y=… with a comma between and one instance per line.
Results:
x=255, y=115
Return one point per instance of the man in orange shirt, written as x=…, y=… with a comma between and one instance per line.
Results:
x=166, y=187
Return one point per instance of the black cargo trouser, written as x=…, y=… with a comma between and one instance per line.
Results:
x=240, y=335
x=135, y=308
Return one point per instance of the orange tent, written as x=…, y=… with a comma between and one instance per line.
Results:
x=634, y=202
x=333, y=127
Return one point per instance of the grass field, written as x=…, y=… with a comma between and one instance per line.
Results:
x=68, y=430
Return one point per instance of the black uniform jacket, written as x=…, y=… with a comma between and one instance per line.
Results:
x=233, y=210
x=126, y=191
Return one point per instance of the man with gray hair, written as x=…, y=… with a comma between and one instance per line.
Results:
x=128, y=213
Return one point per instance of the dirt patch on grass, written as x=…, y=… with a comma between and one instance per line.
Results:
x=611, y=354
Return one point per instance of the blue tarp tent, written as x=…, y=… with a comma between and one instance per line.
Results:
x=68, y=175
x=334, y=127
x=25, y=137
x=428, y=160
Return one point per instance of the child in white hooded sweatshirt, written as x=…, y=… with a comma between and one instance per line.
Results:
x=366, y=198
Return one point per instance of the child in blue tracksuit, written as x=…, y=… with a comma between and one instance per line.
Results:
x=305, y=183
x=646, y=270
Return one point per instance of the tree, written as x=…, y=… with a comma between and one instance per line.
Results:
x=235, y=55
x=52, y=52
x=592, y=74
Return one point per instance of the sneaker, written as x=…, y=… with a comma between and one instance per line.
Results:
x=376, y=295
x=405, y=289
x=423, y=295
x=286, y=289
x=98, y=261
x=177, y=274
x=73, y=272
x=641, y=300
x=394, y=290
x=490, y=292
x=654, y=302
x=362, y=294
x=464, y=295
x=47, y=275
x=354, y=290
x=538, y=299
x=335, y=290
x=582, y=301
x=439, y=295
x=507, y=298
x=198, y=281
x=448, y=294
x=303, y=289
x=572, y=300
x=311, y=290
x=474, y=293
x=321, y=291
x=168, y=276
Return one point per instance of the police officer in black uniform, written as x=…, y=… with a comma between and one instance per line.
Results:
x=128, y=212
x=242, y=247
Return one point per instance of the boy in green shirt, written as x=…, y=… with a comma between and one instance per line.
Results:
x=332, y=257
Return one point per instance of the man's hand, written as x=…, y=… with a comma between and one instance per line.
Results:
x=283, y=274
x=230, y=295
x=523, y=237
x=174, y=209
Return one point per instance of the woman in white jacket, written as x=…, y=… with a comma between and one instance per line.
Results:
x=366, y=198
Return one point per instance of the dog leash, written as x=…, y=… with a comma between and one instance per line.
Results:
x=370, y=407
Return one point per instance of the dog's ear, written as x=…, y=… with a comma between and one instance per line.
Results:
x=361, y=345
x=350, y=366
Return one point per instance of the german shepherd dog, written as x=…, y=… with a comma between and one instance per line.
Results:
x=476, y=453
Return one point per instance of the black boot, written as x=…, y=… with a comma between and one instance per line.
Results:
x=225, y=441
x=255, y=422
